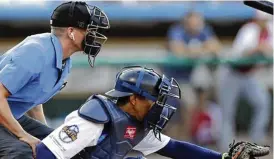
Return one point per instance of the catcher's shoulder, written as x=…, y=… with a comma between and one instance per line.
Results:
x=94, y=111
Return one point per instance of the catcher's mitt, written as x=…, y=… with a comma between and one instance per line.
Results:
x=246, y=150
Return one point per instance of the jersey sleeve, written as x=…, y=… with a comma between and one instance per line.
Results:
x=73, y=136
x=244, y=40
x=175, y=33
x=209, y=33
x=151, y=144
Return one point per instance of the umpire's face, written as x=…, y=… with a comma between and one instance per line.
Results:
x=140, y=106
x=77, y=36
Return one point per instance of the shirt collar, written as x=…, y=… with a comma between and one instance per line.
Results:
x=58, y=51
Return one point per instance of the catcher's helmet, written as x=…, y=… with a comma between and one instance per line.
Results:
x=83, y=16
x=147, y=83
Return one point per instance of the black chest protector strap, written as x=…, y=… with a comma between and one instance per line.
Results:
x=93, y=110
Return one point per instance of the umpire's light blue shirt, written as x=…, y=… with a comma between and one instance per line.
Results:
x=30, y=71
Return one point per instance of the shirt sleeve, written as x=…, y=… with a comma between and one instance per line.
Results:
x=73, y=136
x=175, y=33
x=151, y=144
x=245, y=40
x=209, y=33
x=25, y=64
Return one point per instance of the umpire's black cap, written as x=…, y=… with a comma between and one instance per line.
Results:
x=71, y=14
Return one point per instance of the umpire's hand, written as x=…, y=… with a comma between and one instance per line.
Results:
x=31, y=140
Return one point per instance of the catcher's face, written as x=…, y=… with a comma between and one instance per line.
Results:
x=140, y=106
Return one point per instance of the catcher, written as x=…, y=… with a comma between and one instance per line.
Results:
x=130, y=117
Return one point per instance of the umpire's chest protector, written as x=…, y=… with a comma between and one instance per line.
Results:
x=123, y=134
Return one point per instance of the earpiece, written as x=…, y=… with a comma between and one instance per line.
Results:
x=72, y=36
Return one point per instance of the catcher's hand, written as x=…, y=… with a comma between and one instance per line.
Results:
x=246, y=150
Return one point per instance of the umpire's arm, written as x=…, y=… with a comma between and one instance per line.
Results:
x=14, y=76
x=6, y=117
x=38, y=113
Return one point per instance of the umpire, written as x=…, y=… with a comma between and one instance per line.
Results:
x=35, y=70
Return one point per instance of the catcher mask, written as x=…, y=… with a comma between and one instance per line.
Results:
x=147, y=83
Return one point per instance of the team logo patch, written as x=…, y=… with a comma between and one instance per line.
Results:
x=69, y=134
x=130, y=132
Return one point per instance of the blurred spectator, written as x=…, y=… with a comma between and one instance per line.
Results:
x=253, y=39
x=191, y=38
